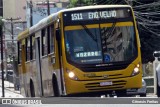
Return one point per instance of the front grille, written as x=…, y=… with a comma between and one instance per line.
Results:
x=114, y=76
x=96, y=85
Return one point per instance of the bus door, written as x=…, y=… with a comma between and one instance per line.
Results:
x=38, y=65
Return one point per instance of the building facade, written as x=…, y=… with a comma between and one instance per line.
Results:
x=38, y=9
x=14, y=9
x=20, y=10
x=17, y=8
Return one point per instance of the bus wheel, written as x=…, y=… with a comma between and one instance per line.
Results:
x=55, y=86
x=121, y=93
x=32, y=91
x=158, y=90
x=27, y=94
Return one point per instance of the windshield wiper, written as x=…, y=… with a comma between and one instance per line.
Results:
x=88, y=32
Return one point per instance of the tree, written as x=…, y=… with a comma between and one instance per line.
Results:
x=75, y=3
x=72, y=3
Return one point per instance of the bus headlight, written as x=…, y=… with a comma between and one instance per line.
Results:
x=136, y=70
x=72, y=75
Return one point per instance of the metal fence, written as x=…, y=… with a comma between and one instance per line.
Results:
x=149, y=75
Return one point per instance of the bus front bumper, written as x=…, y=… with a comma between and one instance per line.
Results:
x=90, y=86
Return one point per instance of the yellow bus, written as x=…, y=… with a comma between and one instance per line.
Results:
x=91, y=49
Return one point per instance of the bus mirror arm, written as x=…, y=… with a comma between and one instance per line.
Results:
x=156, y=54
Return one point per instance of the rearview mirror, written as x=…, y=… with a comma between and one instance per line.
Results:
x=156, y=54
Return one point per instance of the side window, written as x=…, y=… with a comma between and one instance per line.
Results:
x=28, y=49
x=19, y=52
x=51, y=40
x=33, y=47
x=44, y=42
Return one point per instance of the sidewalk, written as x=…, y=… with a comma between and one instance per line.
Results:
x=10, y=88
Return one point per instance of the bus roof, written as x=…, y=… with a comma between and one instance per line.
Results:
x=94, y=7
x=48, y=20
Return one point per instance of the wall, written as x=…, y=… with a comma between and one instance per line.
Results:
x=14, y=9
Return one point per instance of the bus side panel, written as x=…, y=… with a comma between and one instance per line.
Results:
x=54, y=65
x=33, y=76
x=46, y=76
x=28, y=77
x=24, y=72
x=56, y=69
x=21, y=78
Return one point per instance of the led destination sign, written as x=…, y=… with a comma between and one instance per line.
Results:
x=102, y=14
x=93, y=15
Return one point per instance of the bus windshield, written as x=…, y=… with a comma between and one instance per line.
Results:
x=101, y=43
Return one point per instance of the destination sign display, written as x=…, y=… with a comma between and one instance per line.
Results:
x=101, y=14
x=93, y=15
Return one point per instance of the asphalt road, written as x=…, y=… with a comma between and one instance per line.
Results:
x=84, y=105
x=85, y=102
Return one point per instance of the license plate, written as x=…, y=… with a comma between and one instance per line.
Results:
x=105, y=83
x=132, y=89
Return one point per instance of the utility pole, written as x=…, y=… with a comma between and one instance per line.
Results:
x=48, y=7
x=1, y=39
x=11, y=20
x=2, y=67
x=30, y=6
x=79, y=3
x=31, y=13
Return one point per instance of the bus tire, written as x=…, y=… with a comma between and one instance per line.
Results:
x=32, y=91
x=27, y=94
x=55, y=86
x=158, y=89
x=121, y=93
